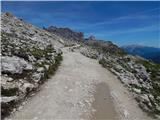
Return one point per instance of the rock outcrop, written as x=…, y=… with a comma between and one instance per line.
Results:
x=29, y=56
x=66, y=34
x=103, y=46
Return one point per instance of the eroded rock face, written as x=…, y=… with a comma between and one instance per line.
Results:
x=29, y=56
x=103, y=46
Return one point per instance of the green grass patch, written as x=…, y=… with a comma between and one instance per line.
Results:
x=53, y=67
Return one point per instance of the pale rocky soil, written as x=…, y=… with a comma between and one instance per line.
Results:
x=70, y=92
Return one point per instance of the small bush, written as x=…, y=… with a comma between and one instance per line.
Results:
x=37, y=53
x=53, y=67
x=9, y=92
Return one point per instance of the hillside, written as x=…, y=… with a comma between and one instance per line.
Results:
x=29, y=56
x=140, y=76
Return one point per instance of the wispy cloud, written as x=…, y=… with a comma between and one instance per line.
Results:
x=117, y=20
x=127, y=31
x=150, y=10
x=137, y=16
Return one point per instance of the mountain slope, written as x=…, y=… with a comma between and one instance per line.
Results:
x=140, y=76
x=149, y=53
x=29, y=56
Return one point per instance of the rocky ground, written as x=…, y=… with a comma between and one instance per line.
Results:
x=140, y=76
x=69, y=95
x=28, y=58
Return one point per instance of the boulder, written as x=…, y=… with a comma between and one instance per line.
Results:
x=138, y=91
x=46, y=67
x=14, y=65
x=36, y=77
x=8, y=99
x=40, y=69
x=6, y=105
x=27, y=87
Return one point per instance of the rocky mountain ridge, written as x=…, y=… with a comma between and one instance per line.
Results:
x=103, y=46
x=68, y=35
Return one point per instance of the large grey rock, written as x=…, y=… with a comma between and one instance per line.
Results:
x=7, y=84
x=14, y=65
x=36, y=77
x=27, y=87
x=40, y=69
x=8, y=99
x=138, y=91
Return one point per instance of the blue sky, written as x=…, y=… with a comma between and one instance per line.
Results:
x=120, y=22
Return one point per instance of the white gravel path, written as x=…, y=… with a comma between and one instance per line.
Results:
x=69, y=93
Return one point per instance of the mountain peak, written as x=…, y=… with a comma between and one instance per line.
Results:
x=66, y=33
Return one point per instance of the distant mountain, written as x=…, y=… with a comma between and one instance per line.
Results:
x=66, y=33
x=103, y=46
x=150, y=53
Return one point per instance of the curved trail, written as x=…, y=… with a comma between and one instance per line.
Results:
x=69, y=94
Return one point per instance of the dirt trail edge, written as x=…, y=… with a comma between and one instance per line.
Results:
x=69, y=94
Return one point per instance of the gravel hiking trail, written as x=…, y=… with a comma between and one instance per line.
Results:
x=80, y=89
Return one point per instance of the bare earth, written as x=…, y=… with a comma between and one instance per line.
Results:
x=70, y=94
